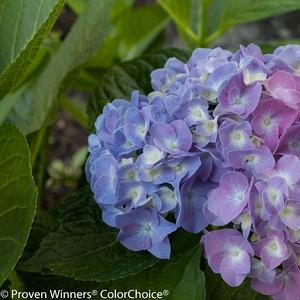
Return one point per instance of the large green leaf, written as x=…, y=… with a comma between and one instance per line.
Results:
x=137, y=29
x=9, y=101
x=179, y=278
x=17, y=197
x=14, y=103
x=165, y=275
x=132, y=31
x=83, y=40
x=23, y=26
x=205, y=20
x=188, y=16
x=77, y=6
x=192, y=283
x=118, y=6
x=84, y=248
x=73, y=242
x=224, y=14
x=121, y=79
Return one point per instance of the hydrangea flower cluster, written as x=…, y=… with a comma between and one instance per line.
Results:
x=217, y=143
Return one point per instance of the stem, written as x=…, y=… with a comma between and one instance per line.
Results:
x=203, y=23
x=36, y=147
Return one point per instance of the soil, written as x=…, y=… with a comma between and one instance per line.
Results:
x=66, y=137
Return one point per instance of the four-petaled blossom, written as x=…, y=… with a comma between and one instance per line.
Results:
x=229, y=254
x=228, y=200
x=144, y=229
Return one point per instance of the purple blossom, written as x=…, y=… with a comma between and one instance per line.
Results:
x=289, y=215
x=260, y=272
x=174, y=138
x=271, y=119
x=193, y=112
x=288, y=168
x=228, y=200
x=272, y=194
x=284, y=286
x=254, y=161
x=131, y=193
x=166, y=79
x=289, y=142
x=272, y=250
x=283, y=85
x=229, y=254
x=168, y=199
x=193, y=196
x=205, y=132
x=238, y=98
x=151, y=155
x=245, y=222
x=144, y=229
x=289, y=55
x=183, y=168
x=257, y=209
x=104, y=179
x=253, y=71
x=235, y=136
x=136, y=125
x=157, y=174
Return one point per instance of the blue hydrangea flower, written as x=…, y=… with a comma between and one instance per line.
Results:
x=216, y=142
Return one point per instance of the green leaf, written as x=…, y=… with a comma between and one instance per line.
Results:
x=106, y=54
x=77, y=6
x=83, y=40
x=76, y=109
x=19, y=108
x=14, y=101
x=137, y=29
x=180, y=276
x=44, y=223
x=84, y=248
x=9, y=101
x=224, y=14
x=39, y=143
x=121, y=79
x=118, y=6
x=23, y=26
x=47, y=49
x=191, y=285
x=205, y=20
x=132, y=32
x=182, y=272
x=39, y=282
x=188, y=16
x=18, y=197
